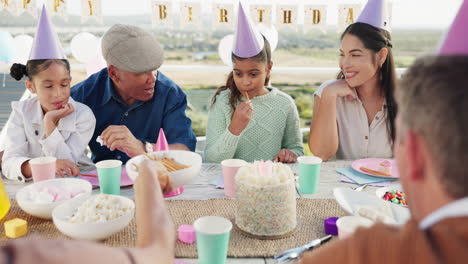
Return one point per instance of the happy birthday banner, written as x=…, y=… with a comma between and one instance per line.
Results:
x=90, y=9
x=189, y=15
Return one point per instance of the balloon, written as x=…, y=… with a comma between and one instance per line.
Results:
x=225, y=49
x=23, y=44
x=7, y=45
x=84, y=47
x=270, y=33
x=96, y=64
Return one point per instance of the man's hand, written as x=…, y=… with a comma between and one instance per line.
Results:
x=119, y=137
x=64, y=166
x=285, y=156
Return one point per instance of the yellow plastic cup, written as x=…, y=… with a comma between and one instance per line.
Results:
x=4, y=200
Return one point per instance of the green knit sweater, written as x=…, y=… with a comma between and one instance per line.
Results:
x=274, y=126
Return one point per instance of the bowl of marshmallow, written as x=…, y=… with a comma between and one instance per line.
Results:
x=95, y=217
x=39, y=199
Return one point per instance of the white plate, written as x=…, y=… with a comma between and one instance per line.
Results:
x=350, y=199
x=394, y=187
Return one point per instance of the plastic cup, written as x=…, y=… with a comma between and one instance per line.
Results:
x=348, y=224
x=309, y=173
x=43, y=168
x=212, y=234
x=109, y=172
x=230, y=168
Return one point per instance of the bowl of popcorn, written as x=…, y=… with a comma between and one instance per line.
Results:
x=181, y=165
x=94, y=218
x=39, y=199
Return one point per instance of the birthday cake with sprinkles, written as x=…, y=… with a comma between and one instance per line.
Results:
x=266, y=199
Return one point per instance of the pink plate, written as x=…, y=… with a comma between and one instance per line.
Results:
x=124, y=179
x=373, y=164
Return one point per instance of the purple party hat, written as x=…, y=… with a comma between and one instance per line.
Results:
x=456, y=40
x=375, y=13
x=46, y=43
x=248, y=42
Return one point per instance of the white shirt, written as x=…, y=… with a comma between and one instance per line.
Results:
x=357, y=139
x=25, y=137
x=459, y=208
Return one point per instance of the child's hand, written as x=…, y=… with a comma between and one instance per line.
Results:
x=67, y=168
x=51, y=118
x=285, y=156
x=241, y=117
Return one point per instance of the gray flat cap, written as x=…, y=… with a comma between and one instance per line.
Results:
x=131, y=49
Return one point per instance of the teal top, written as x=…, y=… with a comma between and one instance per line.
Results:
x=274, y=126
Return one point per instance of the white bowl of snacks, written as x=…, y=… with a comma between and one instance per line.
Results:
x=94, y=218
x=182, y=165
x=393, y=193
x=39, y=199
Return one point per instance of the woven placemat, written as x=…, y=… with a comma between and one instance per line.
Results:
x=311, y=213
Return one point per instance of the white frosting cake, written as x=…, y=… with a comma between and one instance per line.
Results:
x=266, y=197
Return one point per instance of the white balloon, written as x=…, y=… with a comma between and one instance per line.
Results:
x=270, y=33
x=225, y=49
x=23, y=44
x=84, y=47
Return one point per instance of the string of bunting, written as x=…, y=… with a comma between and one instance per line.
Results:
x=189, y=13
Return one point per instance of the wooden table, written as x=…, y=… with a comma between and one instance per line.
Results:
x=200, y=188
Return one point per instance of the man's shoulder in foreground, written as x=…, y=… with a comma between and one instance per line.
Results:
x=442, y=243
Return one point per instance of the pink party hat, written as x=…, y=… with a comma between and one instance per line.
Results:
x=161, y=144
x=456, y=40
x=248, y=42
x=375, y=13
x=46, y=44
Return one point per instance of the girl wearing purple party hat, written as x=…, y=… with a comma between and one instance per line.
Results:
x=52, y=123
x=248, y=119
x=354, y=116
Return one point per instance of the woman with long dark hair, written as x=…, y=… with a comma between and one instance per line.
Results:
x=354, y=116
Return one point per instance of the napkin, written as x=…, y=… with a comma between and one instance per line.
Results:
x=124, y=179
x=358, y=177
x=376, y=184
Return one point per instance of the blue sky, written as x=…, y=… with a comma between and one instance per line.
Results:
x=406, y=13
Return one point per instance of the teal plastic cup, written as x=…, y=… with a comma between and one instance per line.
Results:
x=309, y=173
x=109, y=172
x=212, y=234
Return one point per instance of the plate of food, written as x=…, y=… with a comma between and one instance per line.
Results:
x=393, y=193
x=181, y=165
x=369, y=206
x=383, y=168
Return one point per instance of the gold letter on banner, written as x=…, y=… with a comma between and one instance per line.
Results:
x=261, y=14
x=190, y=13
x=162, y=12
x=347, y=14
x=350, y=16
x=56, y=5
x=90, y=8
x=287, y=16
x=223, y=15
x=316, y=17
x=5, y=2
x=25, y=3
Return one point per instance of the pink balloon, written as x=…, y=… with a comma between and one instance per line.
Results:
x=95, y=64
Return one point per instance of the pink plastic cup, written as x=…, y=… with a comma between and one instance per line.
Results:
x=230, y=168
x=187, y=234
x=43, y=168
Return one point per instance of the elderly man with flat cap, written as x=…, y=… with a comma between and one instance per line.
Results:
x=132, y=100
